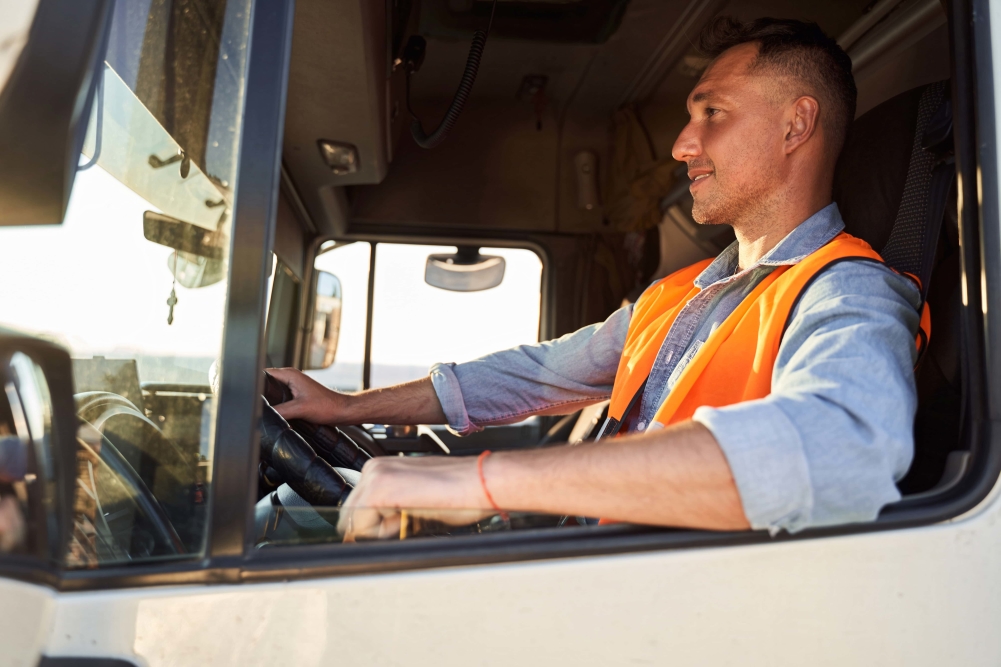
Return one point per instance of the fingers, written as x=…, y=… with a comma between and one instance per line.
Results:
x=294, y=409
x=368, y=523
x=285, y=375
x=309, y=398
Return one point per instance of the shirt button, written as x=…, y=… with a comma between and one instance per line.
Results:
x=641, y=426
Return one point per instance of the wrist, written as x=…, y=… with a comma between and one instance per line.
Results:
x=505, y=476
x=491, y=503
x=339, y=409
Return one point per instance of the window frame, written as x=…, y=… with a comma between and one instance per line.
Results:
x=231, y=556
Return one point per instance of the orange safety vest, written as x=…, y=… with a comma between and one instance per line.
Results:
x=735, y=363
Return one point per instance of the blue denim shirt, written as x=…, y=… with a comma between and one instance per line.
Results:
x=825, y=447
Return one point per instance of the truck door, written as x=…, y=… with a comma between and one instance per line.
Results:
x=166, y=560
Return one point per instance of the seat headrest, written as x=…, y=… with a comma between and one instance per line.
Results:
x=871, y=172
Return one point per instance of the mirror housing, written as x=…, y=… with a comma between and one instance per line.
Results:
x=464, y=271
x=327, y=300
x=45, y=107
x=37, y=401
x=194, y=271
x=198, y=261
x=183, y=236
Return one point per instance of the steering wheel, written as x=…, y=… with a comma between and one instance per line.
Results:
x=305, y=456
x=286, y=456
x=138, y=456
x=136, y=494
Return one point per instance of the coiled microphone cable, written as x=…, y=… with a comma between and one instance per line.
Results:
x=414, y=56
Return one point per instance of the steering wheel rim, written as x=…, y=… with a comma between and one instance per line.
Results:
x=146, y=502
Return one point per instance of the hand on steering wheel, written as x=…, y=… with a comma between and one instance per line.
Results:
x=310, y=401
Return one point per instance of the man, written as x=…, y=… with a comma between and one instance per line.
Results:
x=771, y=388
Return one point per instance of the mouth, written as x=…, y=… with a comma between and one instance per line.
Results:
x=697, y=176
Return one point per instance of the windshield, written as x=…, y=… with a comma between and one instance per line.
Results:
x=133, y=283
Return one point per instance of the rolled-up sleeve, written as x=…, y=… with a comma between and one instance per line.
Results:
x=554, y=377
x=836, y=433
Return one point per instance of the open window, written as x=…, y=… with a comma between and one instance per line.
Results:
x=901, y=51
x=102, y=282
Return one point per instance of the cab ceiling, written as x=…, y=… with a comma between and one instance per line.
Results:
x=508, y=164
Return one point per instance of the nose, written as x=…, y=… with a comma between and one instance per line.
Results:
x=688, y=145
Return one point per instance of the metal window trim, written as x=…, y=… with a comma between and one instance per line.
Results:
x=254, y=219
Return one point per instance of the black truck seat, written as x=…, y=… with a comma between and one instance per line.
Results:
x=895, y=186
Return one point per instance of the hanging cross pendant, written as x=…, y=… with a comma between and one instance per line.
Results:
x=171, y=301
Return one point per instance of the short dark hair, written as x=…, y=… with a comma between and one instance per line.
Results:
x=800, y=50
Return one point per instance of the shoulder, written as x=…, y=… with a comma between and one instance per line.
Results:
x=860, y=278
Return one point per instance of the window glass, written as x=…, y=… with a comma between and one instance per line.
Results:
x=349, y=263
x=416, y=325
x=133, y=283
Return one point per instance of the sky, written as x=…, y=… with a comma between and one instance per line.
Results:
x=98, y=286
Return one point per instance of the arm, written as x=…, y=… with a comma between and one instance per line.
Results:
x=825, y=447
x=409, y=403
x=553, y=377
x=828, y=444
x=673, y=477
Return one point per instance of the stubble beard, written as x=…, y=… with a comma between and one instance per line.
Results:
x=725, y=207
x=717, y=207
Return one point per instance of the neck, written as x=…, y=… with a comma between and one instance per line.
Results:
x=758, y=234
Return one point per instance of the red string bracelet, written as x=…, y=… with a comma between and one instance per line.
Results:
x=483, y=483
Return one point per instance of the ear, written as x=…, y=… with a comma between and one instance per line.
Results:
x=801, y=122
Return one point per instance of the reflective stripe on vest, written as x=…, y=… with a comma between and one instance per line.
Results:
x=736, y=361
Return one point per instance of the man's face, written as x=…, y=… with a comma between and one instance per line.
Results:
x=733, y=143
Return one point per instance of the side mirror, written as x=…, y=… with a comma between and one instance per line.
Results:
x=464, y=271
x=326, y=321
x=38, y=421
x=198, y=261
x=45, y=107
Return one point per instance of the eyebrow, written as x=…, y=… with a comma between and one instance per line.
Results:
x=702, y=96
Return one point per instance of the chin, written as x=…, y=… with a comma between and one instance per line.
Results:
x=716, y=210
x=706, y=215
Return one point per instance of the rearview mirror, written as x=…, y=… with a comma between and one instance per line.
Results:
x=45, y=106
x=464, y=271
x=183, y=236
x=198, y=260
x=326, y=321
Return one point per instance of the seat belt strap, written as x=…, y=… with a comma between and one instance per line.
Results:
x=612, y=426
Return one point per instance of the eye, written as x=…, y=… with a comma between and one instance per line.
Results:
x=711, y=111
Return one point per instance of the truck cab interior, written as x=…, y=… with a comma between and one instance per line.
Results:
x=548, y=200
x=562, y=146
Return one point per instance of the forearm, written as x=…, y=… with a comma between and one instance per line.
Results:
x=674, y=477
x=555, y=377
x=409, y=403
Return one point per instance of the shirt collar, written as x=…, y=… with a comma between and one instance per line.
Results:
x=808, y=237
